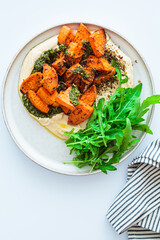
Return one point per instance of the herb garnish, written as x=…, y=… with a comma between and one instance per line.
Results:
x=109, y=132
x=87, y=49
x=48, y=57
x=81, y=71
x=62, y=48
x=34, y=111
x=74, y=95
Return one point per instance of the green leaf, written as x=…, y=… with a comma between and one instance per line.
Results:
x=143, y=128
x=127, y=135
x=127, y=104
x=110, y=168
x=118, y=73
x=155, y=99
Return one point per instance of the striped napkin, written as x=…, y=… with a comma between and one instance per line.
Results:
x=137, y=207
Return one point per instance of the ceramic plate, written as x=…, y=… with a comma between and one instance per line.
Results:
x=34, y=140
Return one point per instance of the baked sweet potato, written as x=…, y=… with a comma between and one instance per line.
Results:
x=98, y=42
x=89, y=96
x=106, y=66
x=70, y=77
x=33, y=82
x=69, y=73
x=71, y=61
x=99, y=64
x=37, y=102
x=91, y=74
x=46, y=69
x=69, y=82
x=82, y=33
x=65, y=110
x=94, y=63
x=59, y=64
x=65, y=36
x=54, y=96
x=75, y=50
x=64, y=100
x=103, y=77
x=50, y=82
x=82, y=87
x=81, y=112
x=78, y=82
x=47, y=98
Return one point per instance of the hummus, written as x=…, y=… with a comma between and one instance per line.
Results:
x=58, y=123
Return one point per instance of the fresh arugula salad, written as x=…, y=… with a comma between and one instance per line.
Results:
x=110, y=131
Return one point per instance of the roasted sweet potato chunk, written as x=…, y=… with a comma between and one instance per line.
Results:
x=82, y=33
x=65, y=36
x=59, y=64
x=106, y=66
x=75, y=50
x=54, y=96
x=94, y=62
x=46, y=69
x=81, y=112
x=91, y=74
x=69, y=73
x=103, y=77
x=69, y=82
x=89, y=96
x=37, y=102
x=99, y=64
x=71, y=61
x=98, y=42
x=50, y=82
x=33, y=82
x=46, y=97
x=64, y=100
x=65, y=110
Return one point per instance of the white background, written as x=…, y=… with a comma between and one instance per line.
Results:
x=36, y=204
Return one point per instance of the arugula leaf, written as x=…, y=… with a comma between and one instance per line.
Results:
x=147, y=102
x=143, y=128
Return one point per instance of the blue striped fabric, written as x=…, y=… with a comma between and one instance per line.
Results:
x=137, y=207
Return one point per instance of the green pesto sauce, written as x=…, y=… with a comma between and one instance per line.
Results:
x=74, y=95
x=62, y=48
x=34, y=111
x=67, y=53
x=81, y=72
x=87, y=49
x=48, y=57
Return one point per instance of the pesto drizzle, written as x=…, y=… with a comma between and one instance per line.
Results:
x=48, y=57
x=34, y=111
x=87, y=49
x=74, y=95
x=81, y=72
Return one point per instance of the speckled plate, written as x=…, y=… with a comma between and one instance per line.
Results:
x=34, y=140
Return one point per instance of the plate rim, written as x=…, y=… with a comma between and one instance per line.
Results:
x=5, y=80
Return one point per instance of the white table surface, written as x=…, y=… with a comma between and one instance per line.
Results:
x=36, y=204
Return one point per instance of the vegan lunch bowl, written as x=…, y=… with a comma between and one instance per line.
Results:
x=80, y=86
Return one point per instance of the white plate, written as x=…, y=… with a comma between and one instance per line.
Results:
x=34, y=140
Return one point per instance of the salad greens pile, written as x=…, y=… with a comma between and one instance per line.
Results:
x=110, y=129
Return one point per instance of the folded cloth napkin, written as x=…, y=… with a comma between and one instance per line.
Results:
x=137, y=207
